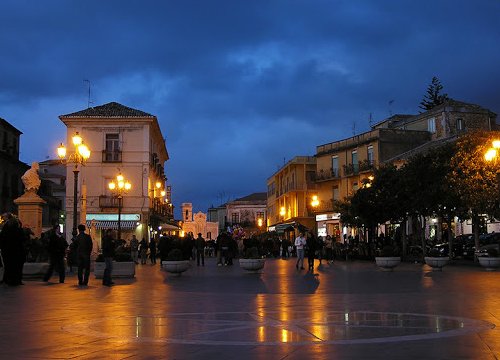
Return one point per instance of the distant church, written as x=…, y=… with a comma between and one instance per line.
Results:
x=198, y=223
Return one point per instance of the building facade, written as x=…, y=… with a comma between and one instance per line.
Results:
x=122, y=141
x=11, y=168
x=289, y=194
x=197, y=223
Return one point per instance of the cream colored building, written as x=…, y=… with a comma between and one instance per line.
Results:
x=289, y=192
x=123, y=141
x=197, y=223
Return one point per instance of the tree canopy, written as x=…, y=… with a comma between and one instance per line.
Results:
x=433, y=97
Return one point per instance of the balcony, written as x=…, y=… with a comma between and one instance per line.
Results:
x=111, y=156
x=366, y=165
x=108, y=202
x=330, y=174
x=351, y=169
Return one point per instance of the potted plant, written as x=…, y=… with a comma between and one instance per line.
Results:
x=251, y=260
x=490, y=262
x=175, y=263
x=388, y=258
x=436, y=259
x=123, y=266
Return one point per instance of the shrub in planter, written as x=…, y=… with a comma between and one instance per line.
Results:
x=175, y=255
x=492, y=253
x=388, y=251
x=251, y=253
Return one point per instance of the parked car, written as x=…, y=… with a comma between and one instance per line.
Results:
x=488, y=242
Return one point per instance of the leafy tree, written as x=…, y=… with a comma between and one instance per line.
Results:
x=474, y=179
x=433, y=97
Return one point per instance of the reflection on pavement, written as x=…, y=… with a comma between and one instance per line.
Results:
x=270, y=327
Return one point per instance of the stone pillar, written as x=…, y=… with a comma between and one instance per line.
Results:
x=30, y=211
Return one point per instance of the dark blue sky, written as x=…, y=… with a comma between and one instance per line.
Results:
x=239, y=86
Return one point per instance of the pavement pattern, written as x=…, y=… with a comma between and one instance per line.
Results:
x=345, y=310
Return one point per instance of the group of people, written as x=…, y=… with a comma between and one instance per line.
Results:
x=314, y=247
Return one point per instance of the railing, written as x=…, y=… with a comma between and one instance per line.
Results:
x=327, y=174
x=111, y=156
x=108, y=201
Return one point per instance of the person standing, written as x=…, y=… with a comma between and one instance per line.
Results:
x=57, y=249
x=12, y=247
x=152, y=251
x=143, y=246
x=134, y=249
x=200, y=250
x=300, y=241
x=83, y=251
x=312, y=246
x=108, y=252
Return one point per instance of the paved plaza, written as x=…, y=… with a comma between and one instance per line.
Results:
x=348, y=310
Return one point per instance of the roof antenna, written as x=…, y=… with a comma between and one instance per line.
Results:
x=370, y=120
x=88, y=99
x=354, y=128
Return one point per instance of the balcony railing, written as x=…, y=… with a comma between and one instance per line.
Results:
x=111, y=156
x=324, y=174
x=108, y=201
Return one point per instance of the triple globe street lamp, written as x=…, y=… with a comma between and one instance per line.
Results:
x=119, y=187
x=79, y=156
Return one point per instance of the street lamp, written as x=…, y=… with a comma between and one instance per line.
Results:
x=120, y=186
x=492, y=153
x=283, y=212
x=79, y=156
x=315, y=201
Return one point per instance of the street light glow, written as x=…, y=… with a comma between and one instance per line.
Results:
x=315, y=201
x=496, y=144
x=490, y=154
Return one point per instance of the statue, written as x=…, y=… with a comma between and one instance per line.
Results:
x=30, y=179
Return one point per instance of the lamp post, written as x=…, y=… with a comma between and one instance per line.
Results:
x=120, y=186
x=79, y=156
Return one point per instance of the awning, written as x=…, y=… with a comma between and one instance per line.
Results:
x=106, y=224
x=169, y=227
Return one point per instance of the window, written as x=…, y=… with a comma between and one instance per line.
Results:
x=260, y=215
x=370, y=156
x=335, y=166
x=187, y=215
x=431, y=125
x=335, y=193
x=112, y=152
x=235, y=218
x=354, y=159
x=460, y=124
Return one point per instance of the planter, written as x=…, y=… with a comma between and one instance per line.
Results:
x=175, y=267
x=387, y=263
x=489, y=263
x=436, y=263
x=124, y=269
x=252, y=264
x=35, y=270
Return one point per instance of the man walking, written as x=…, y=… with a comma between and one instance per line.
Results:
x=83, y=250
x=134, y=249
x=200, y=250
x=57, y=249
x=300, y=241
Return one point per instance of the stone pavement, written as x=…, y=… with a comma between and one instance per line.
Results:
x=342, y=311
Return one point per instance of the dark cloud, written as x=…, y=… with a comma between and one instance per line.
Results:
x=238, y=86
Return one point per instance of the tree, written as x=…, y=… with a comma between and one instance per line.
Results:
x=433, y=97
x=474, y=179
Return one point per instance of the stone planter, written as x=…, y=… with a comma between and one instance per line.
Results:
x=175, y=267
x=387, y=263
x=124, y=269
x=436, y=263
x=489, y=263
x=35, y=270
x=252, y=264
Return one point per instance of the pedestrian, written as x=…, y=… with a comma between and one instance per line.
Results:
x=200, y=250
x=134, y=249
x=13, y=252
x=300, y=242
x=57, y=249
x=72, y=259
x=83, y=251
x=312, y=246
x=108, y=252
x=143, y=249
x=329, y=248
x=152, y=251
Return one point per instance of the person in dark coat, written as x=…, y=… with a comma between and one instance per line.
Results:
x=72, y=260
x=57, y=249
x=83, y=251
x=152, y=251
x=312, y=246
x=200, y=250
x=108, y=252
x=13, y=252
x=143, y=250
